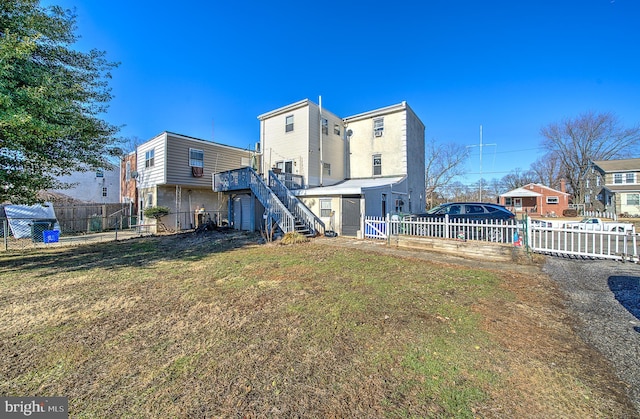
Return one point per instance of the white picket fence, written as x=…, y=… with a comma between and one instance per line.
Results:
x=485, y=230
x=545, y=238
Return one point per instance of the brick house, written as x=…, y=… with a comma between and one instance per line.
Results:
x=536, y=200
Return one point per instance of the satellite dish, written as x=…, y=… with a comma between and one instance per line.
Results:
x=134, y=174
x=349, y=133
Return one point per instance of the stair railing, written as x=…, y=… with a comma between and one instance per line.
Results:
x=295, y=206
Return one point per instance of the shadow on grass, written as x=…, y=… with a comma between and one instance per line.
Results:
x=135, y=252
x=626, y=289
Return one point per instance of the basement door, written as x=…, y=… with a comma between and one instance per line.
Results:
x=350, y=215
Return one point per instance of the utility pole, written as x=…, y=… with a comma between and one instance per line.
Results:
x=481, y=145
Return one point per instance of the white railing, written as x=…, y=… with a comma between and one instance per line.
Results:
x=461, y=229
x=582, y=243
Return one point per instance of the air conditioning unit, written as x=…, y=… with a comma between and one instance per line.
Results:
x=378, y=133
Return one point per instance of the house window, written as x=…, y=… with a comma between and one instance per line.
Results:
x=288, y=124
x=325, y=208
x=325, y=126
x=336, y=129
x=149, y=157
x=377, y=164
x=285, y=166
x=633, y=199
x=617, y=178
x=378, y=127
x=196, y=158
x=507, y=201
x=326, y=169
x=552, y=200
x=104, y=192
x=128, y=171
x=630, y=178
x=99, y=173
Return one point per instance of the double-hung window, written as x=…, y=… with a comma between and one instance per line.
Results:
x=325, y=127
x=633, y=199
x=378, y=127
x=288, y=127
x=336, y=129
x=617, y=178
x=149, y=157
x=377, y=164
x=196, y=157
x=630, y=178
x=325, y=208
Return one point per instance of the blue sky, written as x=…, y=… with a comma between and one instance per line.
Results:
x=207, y=69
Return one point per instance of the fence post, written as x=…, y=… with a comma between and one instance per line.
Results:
x=5, y=226
x=446, y=226
x=387, y=220
x=527, y=234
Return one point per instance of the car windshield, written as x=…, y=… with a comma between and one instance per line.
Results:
x=435, y=210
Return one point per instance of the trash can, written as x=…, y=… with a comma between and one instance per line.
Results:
x=38, y=227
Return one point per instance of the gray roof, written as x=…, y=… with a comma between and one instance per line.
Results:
x=618, y=165
x=348, y=187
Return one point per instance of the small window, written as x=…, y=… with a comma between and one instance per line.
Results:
x=99, y=173
x=128, y=171
x=552, y=200
x=326, y=169
x=325, y=208
x=288, y=124
x=196, y=158
x=104, y=192
x=149, y=157
x=325, y=126
x=336, y=129
x=617, y=178
x=507, y=201
x=633, y=199
x=378, y=127
x=630, y=178
x=377, y=164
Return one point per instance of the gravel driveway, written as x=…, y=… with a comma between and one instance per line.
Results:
x=605, y=298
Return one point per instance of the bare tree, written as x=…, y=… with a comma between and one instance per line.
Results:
x=548, y=170
x=517, y=179
x=588, y=137
x=443, y=162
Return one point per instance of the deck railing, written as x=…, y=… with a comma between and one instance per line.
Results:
x=247, y=178
x=297, y=208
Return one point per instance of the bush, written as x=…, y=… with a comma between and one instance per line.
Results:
x=570, y=212
x=156, y=212
x=293, y=237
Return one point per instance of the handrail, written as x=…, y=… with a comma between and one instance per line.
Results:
x=297, y=208
x=247, y=178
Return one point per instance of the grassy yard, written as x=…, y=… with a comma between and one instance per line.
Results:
x=215, y=326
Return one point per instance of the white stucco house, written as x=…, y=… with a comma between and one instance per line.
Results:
x=97, y=186
x=345, y=168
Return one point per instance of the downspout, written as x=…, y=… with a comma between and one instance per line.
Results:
x=321, y=161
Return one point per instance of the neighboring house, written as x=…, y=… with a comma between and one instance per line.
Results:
x=128, y=187
x=536, y=200
x=97, y=186
x=616, y=184
x=342, y=168
x=175, y=171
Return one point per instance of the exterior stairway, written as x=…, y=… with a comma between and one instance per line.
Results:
x=281, y=206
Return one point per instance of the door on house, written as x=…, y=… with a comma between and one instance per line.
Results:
x=517, y=204
x=350, y=215
x=242, y=213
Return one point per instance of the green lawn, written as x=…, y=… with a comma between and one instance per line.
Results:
x=186, y=326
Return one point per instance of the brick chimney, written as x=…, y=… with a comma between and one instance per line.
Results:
x=563, y=185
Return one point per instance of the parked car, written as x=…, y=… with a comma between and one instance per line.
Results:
x=596, y=224
x=468, y=210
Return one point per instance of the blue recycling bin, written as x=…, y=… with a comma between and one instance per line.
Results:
x=51, y=236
